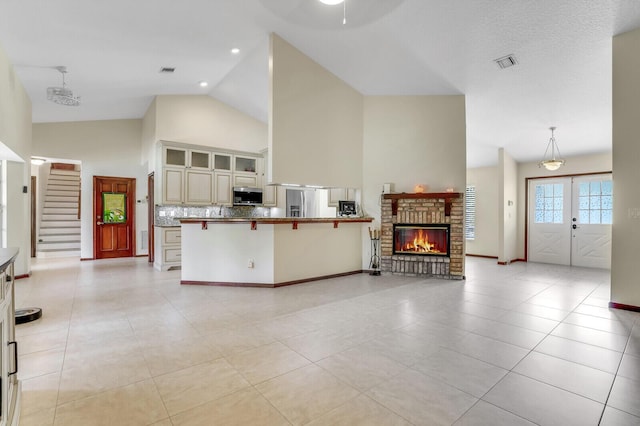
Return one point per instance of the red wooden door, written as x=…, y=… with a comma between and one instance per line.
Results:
x=114, y=232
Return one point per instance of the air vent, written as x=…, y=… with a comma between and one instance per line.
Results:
x=167, y=70
x=506, y=61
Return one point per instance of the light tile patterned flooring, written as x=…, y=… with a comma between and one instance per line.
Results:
x=122, y=344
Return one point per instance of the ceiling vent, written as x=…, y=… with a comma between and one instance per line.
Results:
x=167, y=70
x=506, y=61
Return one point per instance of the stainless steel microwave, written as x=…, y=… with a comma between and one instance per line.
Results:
x=247, y=196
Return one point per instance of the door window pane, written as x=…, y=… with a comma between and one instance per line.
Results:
x=549, y=203
x=595, y=202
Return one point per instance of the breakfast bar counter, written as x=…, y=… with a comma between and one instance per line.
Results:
x=270, y=252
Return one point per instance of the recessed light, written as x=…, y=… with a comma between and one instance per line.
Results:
x=203, y=84
x=331, y=2
x=235, y=50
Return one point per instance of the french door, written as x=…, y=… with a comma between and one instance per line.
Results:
x=570, y=220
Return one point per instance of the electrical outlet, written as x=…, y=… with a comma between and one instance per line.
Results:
x=251, y=264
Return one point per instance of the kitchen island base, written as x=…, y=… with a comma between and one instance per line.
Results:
x=269, y=252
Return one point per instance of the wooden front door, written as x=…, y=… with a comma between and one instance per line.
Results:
x=113, y=210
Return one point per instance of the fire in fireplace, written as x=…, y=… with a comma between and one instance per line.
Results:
x=424, y=239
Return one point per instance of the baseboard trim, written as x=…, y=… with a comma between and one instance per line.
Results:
x=82, y=259
x=511, y=261
x=265, y=285
x=19, y=277
x=481, y=255
x=622, y=306
x=141, y=255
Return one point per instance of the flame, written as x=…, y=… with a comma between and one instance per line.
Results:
x=420, y=243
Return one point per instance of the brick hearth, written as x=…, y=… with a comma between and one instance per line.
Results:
x=429, y=208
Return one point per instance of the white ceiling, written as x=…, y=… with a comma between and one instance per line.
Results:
x=113, y=51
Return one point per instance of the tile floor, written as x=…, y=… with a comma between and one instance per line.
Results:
x=122, y=344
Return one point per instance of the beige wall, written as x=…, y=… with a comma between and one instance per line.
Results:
x=315, y=122
x=149, y=138
x=15, y=134
x=202, y=120
x=485, y=180
x=507, y=199
x=625, y=249
x=105, y=148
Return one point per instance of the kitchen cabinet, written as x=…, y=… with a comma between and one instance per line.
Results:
x=245, y=165
x=222, y=162
x=245, y=181
x=199, y=160
x=222, y=187
x=170, y=249
x=269, y=192
x=174, y=156
x=10, y=395
x=341, y=194
x=199, y=187
x=173, y=185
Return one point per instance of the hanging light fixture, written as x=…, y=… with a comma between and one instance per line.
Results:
x=62, y=95
x=336, y=2
x=551, y=162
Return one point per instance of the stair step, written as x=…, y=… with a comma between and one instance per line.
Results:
x=75, y=178
x=61, y=204
x=59, y=210
x=63, y=192
x=62, y=245
x=57, y=253
x=59, y=238
x=59, y=223
x=58, y=230
x=46, y=218
x=64, y=172
x=65, y=183
x=60, y=198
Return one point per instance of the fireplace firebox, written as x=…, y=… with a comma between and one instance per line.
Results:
x=421, y=239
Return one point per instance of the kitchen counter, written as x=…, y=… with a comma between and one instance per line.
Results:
x=225, y=251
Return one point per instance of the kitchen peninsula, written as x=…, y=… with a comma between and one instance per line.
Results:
x=269, y=252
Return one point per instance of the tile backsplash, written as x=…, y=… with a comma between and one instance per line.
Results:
x=167, y=215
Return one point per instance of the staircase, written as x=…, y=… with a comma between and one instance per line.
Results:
x=60, y=227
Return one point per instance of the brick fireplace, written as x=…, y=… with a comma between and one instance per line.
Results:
x=433, y=217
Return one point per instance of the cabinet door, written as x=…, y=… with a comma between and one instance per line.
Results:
x=175, y=156
x=222, y=162
x=270, y=196
x=245, y=181
x=199, y=160
x=335, y=195
x=245, y=164
x=173, y=184
x=222, y=185
x=199, y=187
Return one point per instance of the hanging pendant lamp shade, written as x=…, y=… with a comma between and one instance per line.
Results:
x=549, y=160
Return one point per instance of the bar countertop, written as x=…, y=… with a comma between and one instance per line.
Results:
x=274, y=220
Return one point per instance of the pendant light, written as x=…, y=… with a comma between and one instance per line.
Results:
x=551, y=162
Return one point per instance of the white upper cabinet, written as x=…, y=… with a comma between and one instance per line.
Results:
x=199, y=160
x=245, y=165
x=221, y=162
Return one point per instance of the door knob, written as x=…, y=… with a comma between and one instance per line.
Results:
x=102, y=223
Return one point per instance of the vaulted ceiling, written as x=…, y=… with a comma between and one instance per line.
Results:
x=114, y=50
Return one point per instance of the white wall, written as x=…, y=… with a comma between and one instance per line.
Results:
x=149, y=138
x=315, y=129
x=593, y=163
x=485, y=180
x=202, y=120
x=15, y=134
x=105, y=148
x=507, y=198
x=625, y=249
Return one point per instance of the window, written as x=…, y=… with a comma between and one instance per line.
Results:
x=595, y=202
x=549, y=201
x=470, y=213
